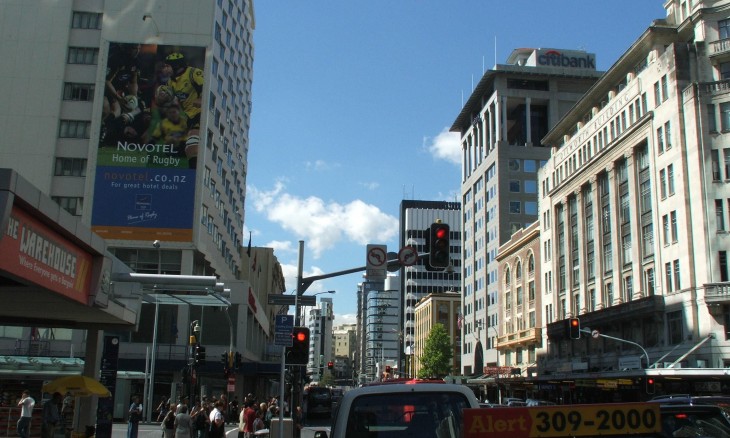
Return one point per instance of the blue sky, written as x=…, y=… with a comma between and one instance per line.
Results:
x=353, y=100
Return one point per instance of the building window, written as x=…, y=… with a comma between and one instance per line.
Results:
x=675, y=232
x=648, y=239
x=723, y=26
x=665, y=88
x=725, y=116
x=660, y=139
x=513, y=165
x=670, y=179
x=668, y=135
x=515, y=207
x=677, y=282
x=83, y=55
x=724, y=70
x=86, y=20
x=663, y=183
x=711, y=118
x=70, y=167
x=73, y=205
x=665, y=229
x=608, y=295
x=674, y=327
x=668, y=276
x=514, y=186
x=649, y=278
x=719, y=215
x=657, y=94
x=723, y=266
x=82, y=92
x=715, y=157
x=74, y=129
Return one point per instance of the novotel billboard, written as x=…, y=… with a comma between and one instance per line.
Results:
x=564, y=59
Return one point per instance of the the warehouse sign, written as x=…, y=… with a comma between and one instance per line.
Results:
x=31, y=250
x=566, y=58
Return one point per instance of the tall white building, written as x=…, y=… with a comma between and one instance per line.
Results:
x=501, y=127
x=135, y=118
x=321, y=340
x=416, y=281
x=634, y=208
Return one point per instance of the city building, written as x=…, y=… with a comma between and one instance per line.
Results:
x=501, y=127
x=416, y=281
x=104, y=138
x=321, y=346
x=344, y=342
x=634, y=218
x=436, y=308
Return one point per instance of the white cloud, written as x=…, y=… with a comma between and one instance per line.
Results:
x=324, y=224
x=347, y=318
x=444, y=146
x=319, y=165
x=280, y=246
x=370, y=185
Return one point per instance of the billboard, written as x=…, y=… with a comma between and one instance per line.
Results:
x=144, y=187
x=33, y=251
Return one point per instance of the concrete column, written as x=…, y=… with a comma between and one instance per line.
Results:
x=92, y=364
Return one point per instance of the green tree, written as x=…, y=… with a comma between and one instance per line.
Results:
x=437, y=354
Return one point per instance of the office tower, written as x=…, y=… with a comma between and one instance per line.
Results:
x=501, y=127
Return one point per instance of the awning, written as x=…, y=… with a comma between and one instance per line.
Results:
x=482, y=380
x=190, y=298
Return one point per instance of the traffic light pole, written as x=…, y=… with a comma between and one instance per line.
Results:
x=596, y=333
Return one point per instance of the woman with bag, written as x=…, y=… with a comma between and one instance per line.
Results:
x=168, y=423
x=217, y=422
x=241, y=423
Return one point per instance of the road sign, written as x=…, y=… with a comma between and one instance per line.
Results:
x=408, y=256
x=283, y=330
x=288, y=300
x=595, y=333
x=376, y=260
x=231, y=384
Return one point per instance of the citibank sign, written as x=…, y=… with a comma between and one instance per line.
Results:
x=570, y=59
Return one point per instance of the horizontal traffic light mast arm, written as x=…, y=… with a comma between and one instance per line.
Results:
x=648, y=364
x=307, y=281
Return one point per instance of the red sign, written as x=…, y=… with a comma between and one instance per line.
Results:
x=36, y=253
x=231, y=384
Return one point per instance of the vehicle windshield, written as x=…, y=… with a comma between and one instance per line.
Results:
x=693, y=422
x=418, y=414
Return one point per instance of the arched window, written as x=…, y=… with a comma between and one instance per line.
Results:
x=531, y=264
x=518, y=270
x=507, y=277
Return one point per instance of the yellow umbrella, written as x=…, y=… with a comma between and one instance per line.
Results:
x=78, y=386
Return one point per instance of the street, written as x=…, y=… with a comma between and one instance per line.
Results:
x=119, y=430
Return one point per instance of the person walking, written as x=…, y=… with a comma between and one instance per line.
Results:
x=26, y=405
x=135, y=414
x=183, y=423
x=51, y=415
x=168, y=423
x=217, y=421
x=249, y=416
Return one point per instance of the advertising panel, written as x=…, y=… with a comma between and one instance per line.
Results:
x=31, y=250
x=148, y=145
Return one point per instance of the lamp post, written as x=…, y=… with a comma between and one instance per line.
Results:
x=496, y=380
x=150, y=389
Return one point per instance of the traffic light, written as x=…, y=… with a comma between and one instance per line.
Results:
x=298, y=353
x=438, y=246
x=238, y=361
x=574, y=328
x=224, y=359
x=199, y=355
x=330, y=365
x=650, y=385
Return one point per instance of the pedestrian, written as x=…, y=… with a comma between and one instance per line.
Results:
x=168, y=423
x=51, y=415
x=242, y=421
x=26, y=405
x=162, y=409
x=200, y=419
x=183, y=423
x=67, y=414
x=298, y=422
x=135, y=414
x=249, y=416
x=217, y=421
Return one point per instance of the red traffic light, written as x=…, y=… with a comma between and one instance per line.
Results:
x=574, y=328
x=441, y=233
x=330, y=365
x=574, y=322
x=301, y=336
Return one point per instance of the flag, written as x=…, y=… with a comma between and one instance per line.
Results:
x=248, y=248
x=460, y=320
x=253, y=266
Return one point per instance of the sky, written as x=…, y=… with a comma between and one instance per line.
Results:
x=352, y=105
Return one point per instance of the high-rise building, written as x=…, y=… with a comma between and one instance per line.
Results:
x=321, y=345
x=634, y=213
x=417, y=281
x=136, y=120
x=501, y=127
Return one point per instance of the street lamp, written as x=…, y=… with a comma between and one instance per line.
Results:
x=150, y=389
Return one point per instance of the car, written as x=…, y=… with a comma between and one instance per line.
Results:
x=694, y=420
x=534, y=402
x=717, y=400
x=400, y=410
x=507, y=400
